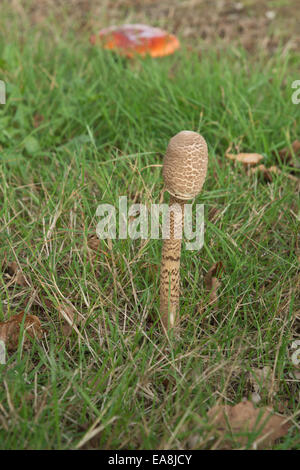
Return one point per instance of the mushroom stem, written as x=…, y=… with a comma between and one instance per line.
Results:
x=170, y=265
x=184, y=171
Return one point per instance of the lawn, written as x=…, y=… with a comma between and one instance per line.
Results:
x=81, y=127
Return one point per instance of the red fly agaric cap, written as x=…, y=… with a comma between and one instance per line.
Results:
x=185, y=165
x=137, y=39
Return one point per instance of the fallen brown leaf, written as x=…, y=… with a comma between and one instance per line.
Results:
x=10, y=330
x=263, y=382
x=93, y=242
x=211, y=281
x=286, y=154
x=246, y=158
x=37, y=120
x=14, y=271
x=215, y=284
x=215, y=270
x=269, y=172
x=70, y=318
x=94, y=245
x=244, y=417
x=213, y=214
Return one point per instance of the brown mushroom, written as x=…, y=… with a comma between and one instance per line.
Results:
x=184, y=172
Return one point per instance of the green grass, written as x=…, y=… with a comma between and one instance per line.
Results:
x=79, y=128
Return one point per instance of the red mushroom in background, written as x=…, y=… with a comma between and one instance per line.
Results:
x=136, y=39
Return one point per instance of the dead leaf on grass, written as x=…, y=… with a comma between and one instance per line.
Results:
x=213, y=214
x=68, y=314
x=262, y=382
x=286, y=154
x=269, y=172
x=94, y=246
x=211, y=280
x=93, y=242
x=16, y=274
x=37, y=120
x=10, y=330
x=244, y=417
x=246, y=158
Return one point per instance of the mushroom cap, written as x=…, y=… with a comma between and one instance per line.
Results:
x=185, y=165
x=137, y=39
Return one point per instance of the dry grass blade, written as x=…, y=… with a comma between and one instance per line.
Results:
x=91, y=433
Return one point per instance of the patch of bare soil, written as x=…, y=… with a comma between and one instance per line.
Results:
x=254, y=24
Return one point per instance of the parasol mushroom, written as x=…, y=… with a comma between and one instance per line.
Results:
x=184, y=172
x=136, y=39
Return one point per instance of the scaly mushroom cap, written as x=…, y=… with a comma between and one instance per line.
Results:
x=185, y=165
